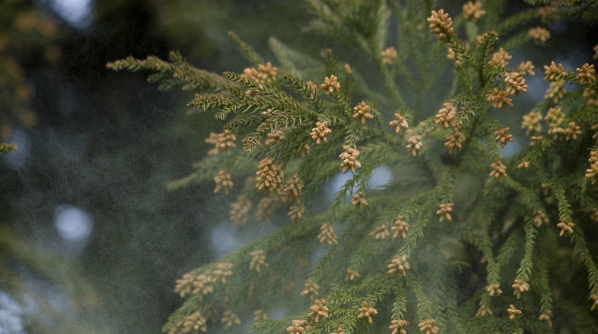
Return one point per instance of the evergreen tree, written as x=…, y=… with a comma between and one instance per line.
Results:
x=460, y=222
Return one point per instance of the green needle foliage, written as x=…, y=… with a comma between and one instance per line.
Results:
x=461, y=240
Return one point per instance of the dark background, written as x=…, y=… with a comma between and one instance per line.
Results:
x=107, y=143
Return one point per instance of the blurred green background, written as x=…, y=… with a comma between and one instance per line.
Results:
x=90, y=239
x=98, y=157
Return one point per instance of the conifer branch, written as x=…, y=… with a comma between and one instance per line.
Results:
x=247, y=50
x=399, y=307
x=581, y=247
x=282, y=54
x=516, y=41
x=175, y=74
x=525, y=268
x=291, y=123
x=424, y=306
x=4, y=147
x=313, y=98
x=508, y=249
x=390, y=83
x=326, y=15
x=483, y=242
x=564, y=205
x=543, y=285
x=516, y=20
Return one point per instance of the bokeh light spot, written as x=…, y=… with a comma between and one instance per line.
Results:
x=72, y=223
